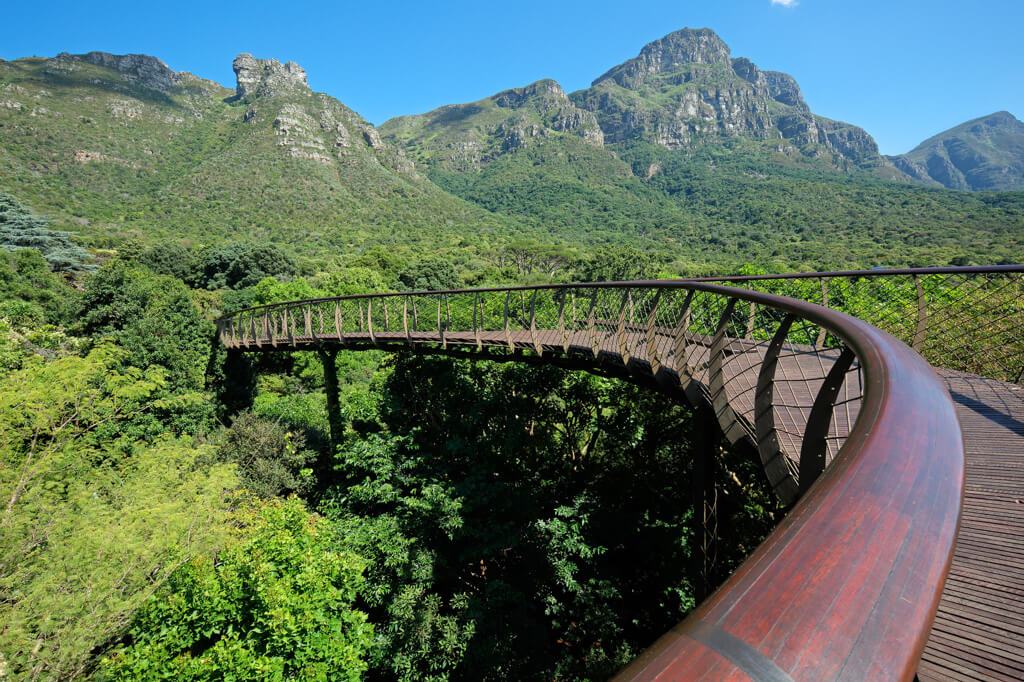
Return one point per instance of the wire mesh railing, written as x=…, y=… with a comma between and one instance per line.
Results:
x=968, y=319
x=761, y=370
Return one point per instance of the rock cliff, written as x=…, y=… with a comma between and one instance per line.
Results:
x=267, y=77
x=140, y=69
x=307, y=125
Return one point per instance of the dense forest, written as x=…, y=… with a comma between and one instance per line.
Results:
x=175, y=511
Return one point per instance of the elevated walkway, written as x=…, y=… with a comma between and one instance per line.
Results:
x=850, y=425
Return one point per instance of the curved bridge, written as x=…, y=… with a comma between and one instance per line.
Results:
x=850, y=424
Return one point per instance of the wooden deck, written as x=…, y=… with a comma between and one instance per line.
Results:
x=979, y=630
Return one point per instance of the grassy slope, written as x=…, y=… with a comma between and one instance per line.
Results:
x=187, y=165
x=110, y=160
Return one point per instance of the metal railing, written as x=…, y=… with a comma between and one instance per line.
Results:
x=969, y=319
x=866, y=548
x=739, y=357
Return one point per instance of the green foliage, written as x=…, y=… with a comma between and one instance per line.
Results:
x=355, y=280
x=573, y=193
x=532, y=257
x=26, y=280
x=19, y=229
x=401, y=520
x=381, y=259
x=617, y=264
x=755, y=207
x=432, y=273
x=243, y=264
x=155, y=318
x=270, y=459
x=172, y=259
x=22, y=341
x=94, y=518
x=552, y=498
x=277, y=604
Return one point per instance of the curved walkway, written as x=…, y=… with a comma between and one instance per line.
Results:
x=772, y=387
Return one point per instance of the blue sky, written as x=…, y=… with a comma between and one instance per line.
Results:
x=902, y=69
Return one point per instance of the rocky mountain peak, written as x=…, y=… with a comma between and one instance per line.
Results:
x=781, y=87
x=677, y=49
x=267, y=76
x=542, y=89
x=139, y=68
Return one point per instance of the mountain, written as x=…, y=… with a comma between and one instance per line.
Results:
x=463, y=136
x=688, y=150
x=531, y=153
x=986, y=153
x=680, y=93
x=683, y=151
x=686, y=89
x=117, y=146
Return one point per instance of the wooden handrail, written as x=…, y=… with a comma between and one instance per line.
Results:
x=847, y=585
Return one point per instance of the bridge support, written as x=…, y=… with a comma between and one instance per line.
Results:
x=328, y=357
x=705, y=501
x=238, y=385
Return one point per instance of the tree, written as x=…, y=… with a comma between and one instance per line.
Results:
x=617, y=264
x=20, y=229
x=536, y=527
x=271, y=460
x=94, y=516
x=172, y=259
x=432, y=273
x=26, y=277
x=354, y=280
x=154, y=318
x=243, y=264
x=276, y=604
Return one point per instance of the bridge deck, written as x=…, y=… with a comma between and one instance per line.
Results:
x=979, y=630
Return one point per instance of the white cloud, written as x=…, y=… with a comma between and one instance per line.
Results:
x=785, y=3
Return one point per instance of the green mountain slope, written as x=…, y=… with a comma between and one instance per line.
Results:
x=705, y=157
x=531, y=153
x=986, y=153
x=682, y=150
x=116, y=146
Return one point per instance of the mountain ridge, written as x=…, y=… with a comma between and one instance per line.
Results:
x=113, y=146
x=985, y=153
x=120, y=147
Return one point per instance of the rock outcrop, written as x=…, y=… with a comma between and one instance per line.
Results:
x=139, y=69
x=266, y=77
x=308, y=125
x=671, y=54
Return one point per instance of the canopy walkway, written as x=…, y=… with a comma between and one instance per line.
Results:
x=890, y=562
